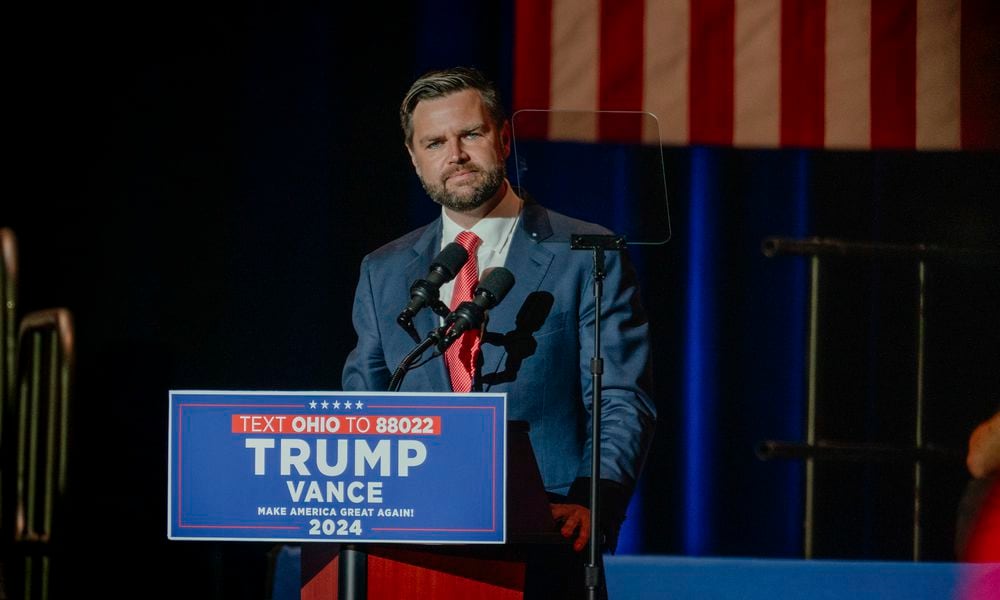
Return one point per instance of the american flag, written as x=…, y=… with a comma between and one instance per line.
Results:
x=838, y=74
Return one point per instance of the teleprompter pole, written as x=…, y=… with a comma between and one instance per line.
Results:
x=598, y=244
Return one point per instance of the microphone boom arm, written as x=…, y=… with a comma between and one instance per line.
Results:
x=432, y=339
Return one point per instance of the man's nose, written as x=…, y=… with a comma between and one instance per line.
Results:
x=456, y=151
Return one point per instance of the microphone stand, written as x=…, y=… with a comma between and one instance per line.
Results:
x=598, y=244
x=432, y=339
x=352, y=566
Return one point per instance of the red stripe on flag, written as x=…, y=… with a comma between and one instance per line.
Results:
x=980, y=74
x=622, y=46
x=894, y=74
x=803, y=72
x=532, y=63
x=710, y=93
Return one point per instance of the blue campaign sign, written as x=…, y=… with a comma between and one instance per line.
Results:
x=337, y=467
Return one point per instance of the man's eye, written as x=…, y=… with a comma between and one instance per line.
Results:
x=473, y=134
x=433, y=145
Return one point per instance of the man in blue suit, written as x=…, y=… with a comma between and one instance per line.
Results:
x=539, y=341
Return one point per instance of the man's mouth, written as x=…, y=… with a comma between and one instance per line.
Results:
x=461, y=176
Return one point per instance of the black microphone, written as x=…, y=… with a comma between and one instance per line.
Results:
x=470, y=315
x=424, y=292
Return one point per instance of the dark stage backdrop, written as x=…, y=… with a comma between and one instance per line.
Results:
x=199, y=183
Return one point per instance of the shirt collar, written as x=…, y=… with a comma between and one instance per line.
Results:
x=494, y=229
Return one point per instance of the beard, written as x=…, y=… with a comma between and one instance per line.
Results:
x=468, y=197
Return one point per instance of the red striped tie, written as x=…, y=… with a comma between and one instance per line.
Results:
x=461, y=356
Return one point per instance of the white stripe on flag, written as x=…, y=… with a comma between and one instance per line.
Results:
x=665, y=80
x=757, y=120
x=848, y=74
x=757, y=85
x=939, y=30
x=575, y=65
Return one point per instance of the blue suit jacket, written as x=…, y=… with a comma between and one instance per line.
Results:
x=538, y=345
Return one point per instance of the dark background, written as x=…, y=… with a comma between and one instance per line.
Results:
x=199, y=182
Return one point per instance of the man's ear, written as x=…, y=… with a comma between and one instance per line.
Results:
x=505, y=139
x=413, y=159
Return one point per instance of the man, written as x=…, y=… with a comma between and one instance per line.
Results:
x=978, y=529
x=983, y=457
x=539, y=342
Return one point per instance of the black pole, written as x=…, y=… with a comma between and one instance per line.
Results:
x=598, y=244
x=352, y=573
x=352, y=568
x=817, y=246
x=593, y=570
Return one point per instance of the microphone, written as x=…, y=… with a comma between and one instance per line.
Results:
x=424, y=292
x=470, y=315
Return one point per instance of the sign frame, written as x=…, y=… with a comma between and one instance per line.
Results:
x=249, y=466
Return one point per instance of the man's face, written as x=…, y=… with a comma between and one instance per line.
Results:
x=457, y=151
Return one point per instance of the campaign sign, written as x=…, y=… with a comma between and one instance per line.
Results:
x=337, y=467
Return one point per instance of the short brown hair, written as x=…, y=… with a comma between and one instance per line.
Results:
x=444, y=82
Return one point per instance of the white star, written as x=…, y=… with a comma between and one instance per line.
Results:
x=325, y=405
x=358, y=404
x=347, y=405
x=312, y=404
x=336, y=404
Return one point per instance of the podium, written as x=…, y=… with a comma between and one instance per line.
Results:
x=515, y=570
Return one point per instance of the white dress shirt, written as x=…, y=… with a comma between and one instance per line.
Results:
x=495, y=229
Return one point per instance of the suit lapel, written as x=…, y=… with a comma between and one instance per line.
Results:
x=424, y=251
x=529, y=261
